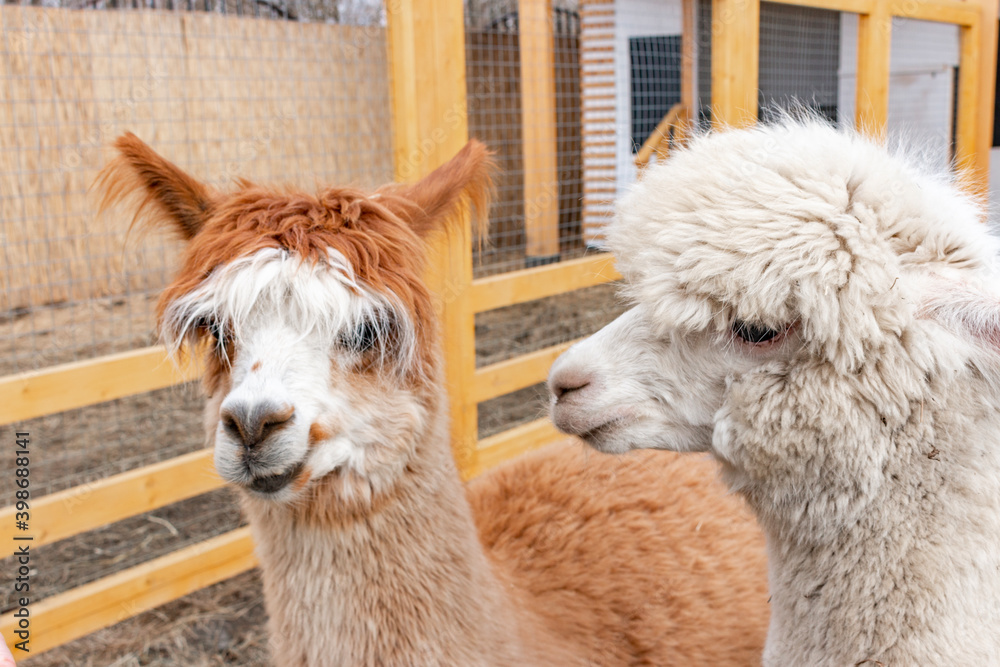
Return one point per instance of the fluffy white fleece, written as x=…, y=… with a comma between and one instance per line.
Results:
x=866, y=433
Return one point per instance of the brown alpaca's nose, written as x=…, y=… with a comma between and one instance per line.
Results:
x=252, y=424
x=566, y=380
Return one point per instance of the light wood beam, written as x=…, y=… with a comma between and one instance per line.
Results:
x=538, y=127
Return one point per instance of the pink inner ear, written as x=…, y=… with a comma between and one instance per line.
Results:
x=966, y=309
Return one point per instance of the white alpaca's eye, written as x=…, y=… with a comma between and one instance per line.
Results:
x=753, y=333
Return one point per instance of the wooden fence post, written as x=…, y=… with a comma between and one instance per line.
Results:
x=968, y=154
x=538, y=127
x=430, y=118
x=735, y=62
x=689, y=56
x=983, y=91
x=871, y=110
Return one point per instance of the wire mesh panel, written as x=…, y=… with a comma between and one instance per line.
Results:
x=703, y=61
x=223, y=97
x=807, y=60
x=524, y=102
x=799, y=60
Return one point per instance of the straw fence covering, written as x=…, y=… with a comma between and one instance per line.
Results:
x=221, y=96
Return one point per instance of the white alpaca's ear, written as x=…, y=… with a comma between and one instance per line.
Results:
x=970, y=311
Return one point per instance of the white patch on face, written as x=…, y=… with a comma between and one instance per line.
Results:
x=325, y=298
x=291, y=324
x=631, y=388
x=337, y=453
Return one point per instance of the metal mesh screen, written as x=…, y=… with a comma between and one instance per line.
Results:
x=799, y=60
x=703, y=61
x=223, y=97
x=808, y=58
x=806, y=61
x=536, y=136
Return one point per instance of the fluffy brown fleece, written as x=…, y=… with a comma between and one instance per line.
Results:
x=636, y=560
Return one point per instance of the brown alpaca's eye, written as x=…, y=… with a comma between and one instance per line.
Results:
x=753, y=333
x=214, y=329
x=364, y=336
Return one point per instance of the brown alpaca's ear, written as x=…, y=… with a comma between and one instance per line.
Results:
x=162, y=193
x=438, y=196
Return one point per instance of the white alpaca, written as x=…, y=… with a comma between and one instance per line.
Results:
x=328, y=414
x=822, y=316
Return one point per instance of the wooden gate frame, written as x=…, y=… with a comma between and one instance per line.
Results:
x=735, y=61
x=427, y=51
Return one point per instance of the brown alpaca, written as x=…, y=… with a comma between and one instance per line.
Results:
x=327, y=412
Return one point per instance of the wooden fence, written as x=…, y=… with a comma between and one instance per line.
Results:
x=427, y=61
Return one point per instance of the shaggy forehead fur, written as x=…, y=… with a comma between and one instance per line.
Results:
x=794, y=223
x=362, y=238
x=322, y=295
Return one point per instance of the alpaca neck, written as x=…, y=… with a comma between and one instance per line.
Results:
x=406, y=584
x=917, y=581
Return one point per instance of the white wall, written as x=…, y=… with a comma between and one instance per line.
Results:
x=635, y=18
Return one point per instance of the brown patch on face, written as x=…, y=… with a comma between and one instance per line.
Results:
x=217, y=368
x=256, y=366
x=317, y=434
x=381, y=235
x=302, y=479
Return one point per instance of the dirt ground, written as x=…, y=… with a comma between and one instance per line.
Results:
x=223, y=624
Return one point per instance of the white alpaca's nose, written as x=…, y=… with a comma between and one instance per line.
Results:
x=564, y=380
x=572, y=390
x=572, y=386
